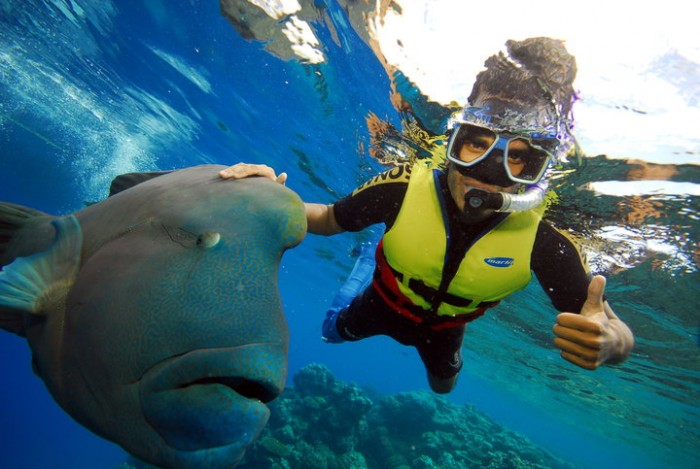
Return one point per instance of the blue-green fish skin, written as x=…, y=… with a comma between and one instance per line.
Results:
x=162, y=329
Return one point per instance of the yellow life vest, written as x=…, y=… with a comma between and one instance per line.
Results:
x=495, y=266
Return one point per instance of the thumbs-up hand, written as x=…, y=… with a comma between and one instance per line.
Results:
x=594, y=336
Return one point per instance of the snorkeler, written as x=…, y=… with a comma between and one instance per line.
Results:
x=462, y=237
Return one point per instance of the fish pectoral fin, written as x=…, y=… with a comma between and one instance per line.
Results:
x=29, y=284
x=12, y=218
x=129, y=180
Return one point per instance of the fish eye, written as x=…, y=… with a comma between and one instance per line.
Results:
x=208, y=239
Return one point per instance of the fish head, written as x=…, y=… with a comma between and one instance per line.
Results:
x=175, y=337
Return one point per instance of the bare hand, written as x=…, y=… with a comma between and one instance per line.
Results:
x=594, y=336
x=245, y=170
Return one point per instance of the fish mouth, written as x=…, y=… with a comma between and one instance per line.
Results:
x=245, y=387
x=211, y=399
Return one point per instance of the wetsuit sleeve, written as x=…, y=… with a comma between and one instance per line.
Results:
x=376, y=201
x=560, y=268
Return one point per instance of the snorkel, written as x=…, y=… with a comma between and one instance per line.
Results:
x=533, y=196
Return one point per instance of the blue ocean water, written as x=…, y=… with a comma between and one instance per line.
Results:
x=93, y=89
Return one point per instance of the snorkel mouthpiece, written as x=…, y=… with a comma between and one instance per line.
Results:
x=477, y=199
x=480, y=205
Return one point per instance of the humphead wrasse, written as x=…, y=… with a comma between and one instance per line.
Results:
x=154, y=317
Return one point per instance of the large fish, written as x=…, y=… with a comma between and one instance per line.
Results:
x=154, y=316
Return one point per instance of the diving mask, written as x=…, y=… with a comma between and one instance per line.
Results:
x=525, y=155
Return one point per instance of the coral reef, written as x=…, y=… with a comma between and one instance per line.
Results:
x=324, y=423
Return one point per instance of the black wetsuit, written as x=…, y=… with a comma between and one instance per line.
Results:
x=555, y=260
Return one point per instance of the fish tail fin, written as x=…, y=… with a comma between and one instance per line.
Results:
x=12, y=219
x=29, y=283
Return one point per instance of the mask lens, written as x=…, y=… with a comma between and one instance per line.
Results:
x=471, y=143
x=526, y=162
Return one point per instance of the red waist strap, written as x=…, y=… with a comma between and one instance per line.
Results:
x=387, y=286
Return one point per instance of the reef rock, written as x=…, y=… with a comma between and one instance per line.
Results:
x=325, y=423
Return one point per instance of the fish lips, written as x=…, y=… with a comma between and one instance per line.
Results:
x=208, y=399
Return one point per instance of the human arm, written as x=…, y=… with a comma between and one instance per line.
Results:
x=376, y=201
x=595, y=335
x=321, y=220
x=587, y=332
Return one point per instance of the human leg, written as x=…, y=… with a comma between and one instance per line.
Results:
x=442, y=386
x=329, y=329
x=368, y=315
x=357, y=281
x=441, y=352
